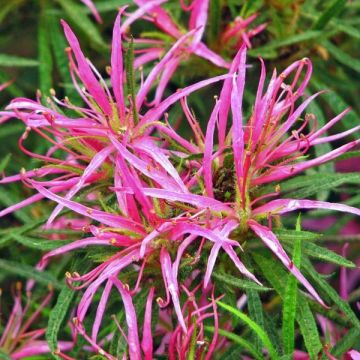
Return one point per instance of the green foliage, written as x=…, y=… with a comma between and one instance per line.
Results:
x=57, y=317
x=290, y=300
x=253, y=326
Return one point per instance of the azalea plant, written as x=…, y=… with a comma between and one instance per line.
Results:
x=186, y=190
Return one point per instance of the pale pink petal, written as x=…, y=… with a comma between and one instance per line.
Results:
x=101, y=216
x=209, y=148
x=147, y=339
x=203, y=51
x=271, y=241
x=283, y=206
x=94, y=164
x=166, y=268
x=117, y=68
x=156, y=113
x=161, y=18
x=93, y=10
x=236, y=107
x=85, y=72
x=101, y=309
x=158, y=68
x=131, y=320
x=282, y=172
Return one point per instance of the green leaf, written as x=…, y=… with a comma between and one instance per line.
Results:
x=322, y=253
x=277, y=276
x=77, y=15
x=16, y=61
x=349, y=30
x=255, y=309
x=238, y=340
x=57, y=316
x=44, y=53
x=341, y=56
x=347, y=342
x=130, y=78
x=331, y=11
x=275, y=44
x=254, y=326
x=308, y=185
x=290, y=301
x=39, y=244
x=238, y=283
x=7, y=234
x=319, y=252
x=28, y=272
x=308, y=328
x=4, y=356
x=337, y=104
x=215, y=19
x=4, y=162
x=293, y=235
x=332, y=294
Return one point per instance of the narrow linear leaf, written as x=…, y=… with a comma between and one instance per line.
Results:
x=39, y=244
x=130, y=78
x=292, y=235
x=277, y=276
x=331, y=11
x=341, y=56
x=346, y=343
x=238, y=283
x=275, y=44
x=290, y=301
x=44, y=53
x=57, y=316
x=254, y=326
x=7, y=234
x=332, y=294
x=321, y=253
x=17, y=61
x=238, y=340
x=4, y=162
x=28, y=272
x=255, y=309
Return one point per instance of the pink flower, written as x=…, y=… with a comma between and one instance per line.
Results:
x=86, y=139
x=262, y=153
x=198, y=13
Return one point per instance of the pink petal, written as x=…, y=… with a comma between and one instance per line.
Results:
x=282, y=206
x=271, y=241
x=236, y=107
x=155, y=114
x=209, y=147
x=85, y=72
x=94, y=164
x=285, y=171
x=147, y=342
x=101, y=216
x=117, y=68
x=161, y=18
x=93, y=9
x=166, y=268
x=131, y=320
x=101, y=309
x=158, y=68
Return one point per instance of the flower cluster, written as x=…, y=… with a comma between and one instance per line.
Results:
x=160, y=208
